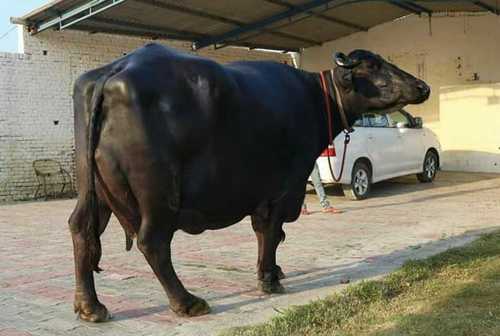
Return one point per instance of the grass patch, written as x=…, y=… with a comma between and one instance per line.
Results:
x=456, y=292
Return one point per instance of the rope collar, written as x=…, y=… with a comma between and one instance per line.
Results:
x=330, y=89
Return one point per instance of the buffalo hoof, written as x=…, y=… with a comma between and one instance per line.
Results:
x=280, y=274
x=92, y=312
x=195, y=306
x=270, y=284
x=272, y=287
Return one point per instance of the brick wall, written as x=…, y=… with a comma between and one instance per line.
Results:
x=36, y=118
x=34, y=95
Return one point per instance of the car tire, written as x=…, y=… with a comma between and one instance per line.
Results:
x=430, y=167
x=361, y=182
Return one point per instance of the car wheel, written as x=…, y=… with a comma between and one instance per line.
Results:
x=360, y=182
x=430, y=168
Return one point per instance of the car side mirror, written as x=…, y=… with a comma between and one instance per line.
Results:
x=419, y=123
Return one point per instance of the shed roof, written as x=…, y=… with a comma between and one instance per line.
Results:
x=271, y=24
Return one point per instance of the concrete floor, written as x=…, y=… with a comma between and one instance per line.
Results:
x=403, y=220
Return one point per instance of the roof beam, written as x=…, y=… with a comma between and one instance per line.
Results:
x=321, y=16
x=190, y=11
x=286, y=23
x=162, y=35
x=164, y=31
x=484, y=5
x=222, y=19
x=260, y=25
x=420, y=7
x=411, y=7
x=75, y=15
x=127, y=32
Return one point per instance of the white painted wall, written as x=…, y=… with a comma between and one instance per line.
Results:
x=20, y=39
x=36, y=88
x=471, y=136
x=461, y=50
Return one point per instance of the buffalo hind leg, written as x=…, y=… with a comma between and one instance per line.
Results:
x=154, y=241
x=86, y=303
x=269, y=235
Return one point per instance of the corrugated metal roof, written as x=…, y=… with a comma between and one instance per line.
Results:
x=49, y=10
x=274, y=24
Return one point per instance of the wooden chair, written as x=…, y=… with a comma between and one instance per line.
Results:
x=50, y=173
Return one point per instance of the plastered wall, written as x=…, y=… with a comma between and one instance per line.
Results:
x=472, y=132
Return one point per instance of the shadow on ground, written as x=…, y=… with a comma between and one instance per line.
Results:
x=410, y=184
x=314, y=278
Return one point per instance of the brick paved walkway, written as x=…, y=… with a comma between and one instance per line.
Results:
x=404, y=220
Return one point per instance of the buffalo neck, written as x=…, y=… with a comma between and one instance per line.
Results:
x=336, y=121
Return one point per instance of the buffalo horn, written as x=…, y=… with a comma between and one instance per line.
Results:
x=345, y=61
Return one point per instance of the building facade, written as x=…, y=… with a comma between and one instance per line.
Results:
x=456, y=53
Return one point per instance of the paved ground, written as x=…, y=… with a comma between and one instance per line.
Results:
x=404, y=220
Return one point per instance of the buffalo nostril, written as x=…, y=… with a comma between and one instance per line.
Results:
x=424, y=88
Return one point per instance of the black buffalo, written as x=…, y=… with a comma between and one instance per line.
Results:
x=169, y=141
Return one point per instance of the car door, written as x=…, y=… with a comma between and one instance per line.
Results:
x=383, y=145
x=410, y=141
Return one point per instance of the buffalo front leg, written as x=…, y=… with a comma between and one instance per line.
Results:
x=269, y=235
x=86, y=303
x=154, y=241
x=260, y=244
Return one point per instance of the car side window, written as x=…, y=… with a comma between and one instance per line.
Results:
x=398, y=117
x=375, y=120
x=359, y=123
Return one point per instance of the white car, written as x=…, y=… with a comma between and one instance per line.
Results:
x=382, y=146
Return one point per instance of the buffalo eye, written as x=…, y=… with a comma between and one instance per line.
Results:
x=372, y=66
x=382, y=84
